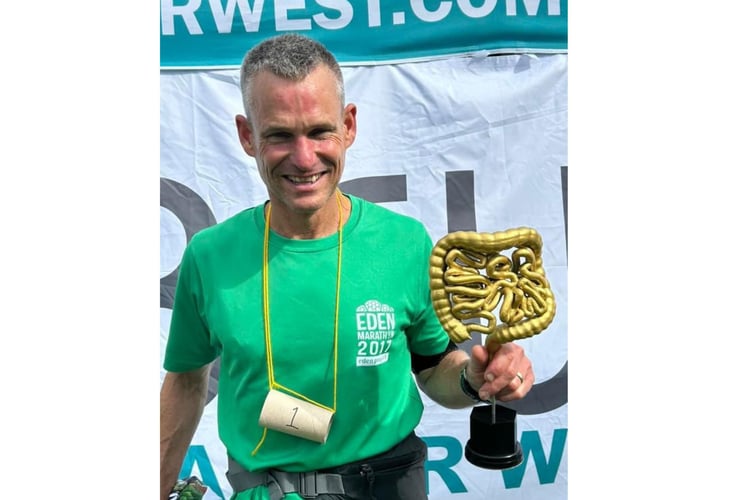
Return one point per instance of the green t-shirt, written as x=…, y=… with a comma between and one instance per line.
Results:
x=385, y=313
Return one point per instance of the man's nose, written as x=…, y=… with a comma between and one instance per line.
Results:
x=304, y=153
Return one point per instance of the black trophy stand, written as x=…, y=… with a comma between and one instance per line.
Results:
x=493, y=438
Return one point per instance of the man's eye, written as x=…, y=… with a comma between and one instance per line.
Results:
x=319, y=133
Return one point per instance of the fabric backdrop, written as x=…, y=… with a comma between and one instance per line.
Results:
x=465, y=141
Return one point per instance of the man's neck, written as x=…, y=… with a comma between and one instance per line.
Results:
x=319, y=224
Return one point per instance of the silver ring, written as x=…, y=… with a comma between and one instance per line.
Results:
x=519, y=376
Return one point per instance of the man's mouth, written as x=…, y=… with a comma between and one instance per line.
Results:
x=304, y=180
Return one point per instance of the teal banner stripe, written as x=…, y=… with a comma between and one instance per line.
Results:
x=218, y=33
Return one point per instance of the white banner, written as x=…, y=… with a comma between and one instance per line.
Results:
x=461, y=144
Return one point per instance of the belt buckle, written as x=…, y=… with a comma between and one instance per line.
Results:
x=307, y=481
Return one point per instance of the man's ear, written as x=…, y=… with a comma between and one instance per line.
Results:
x=245, y=134
x=351, y=124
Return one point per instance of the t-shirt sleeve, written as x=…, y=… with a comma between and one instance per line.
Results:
x=426, y=336
x=189, y=343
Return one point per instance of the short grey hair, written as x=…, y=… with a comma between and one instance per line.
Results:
x=290, y=56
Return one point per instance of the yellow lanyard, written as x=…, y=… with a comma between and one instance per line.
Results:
x=273, y=384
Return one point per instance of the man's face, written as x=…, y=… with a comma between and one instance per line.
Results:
x=298, y=133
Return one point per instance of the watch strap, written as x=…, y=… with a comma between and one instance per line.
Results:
x=467, y=388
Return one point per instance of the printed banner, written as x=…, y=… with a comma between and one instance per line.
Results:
x=463, y=143
x=214, y=33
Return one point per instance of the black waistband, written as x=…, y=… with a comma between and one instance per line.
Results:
x=407, y=452
x=353, y=479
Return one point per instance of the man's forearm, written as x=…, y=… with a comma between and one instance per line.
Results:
x=181, y=405
x=442, y=382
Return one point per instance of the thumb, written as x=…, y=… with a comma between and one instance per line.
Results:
x=476, y=368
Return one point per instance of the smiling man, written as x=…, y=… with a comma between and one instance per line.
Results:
x=324, y=342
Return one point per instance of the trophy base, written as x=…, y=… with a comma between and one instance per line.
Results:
x=493, y=445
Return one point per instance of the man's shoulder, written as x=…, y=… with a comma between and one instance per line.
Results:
x=225, y=231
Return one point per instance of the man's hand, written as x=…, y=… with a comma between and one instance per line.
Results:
x=507, y=374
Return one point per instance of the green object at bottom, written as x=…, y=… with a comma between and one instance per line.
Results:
x=188, y=489
x=261, y=493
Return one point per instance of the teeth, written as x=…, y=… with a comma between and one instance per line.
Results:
x=304, y=180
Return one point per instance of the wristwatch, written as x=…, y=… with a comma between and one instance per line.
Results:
x=467, y=388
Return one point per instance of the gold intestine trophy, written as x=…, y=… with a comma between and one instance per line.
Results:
x=470, y=279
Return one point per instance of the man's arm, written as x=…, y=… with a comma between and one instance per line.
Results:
x=181, y=403
x=489, y=376
x=442, y=382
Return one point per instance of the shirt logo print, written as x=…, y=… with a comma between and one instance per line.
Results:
x=375, y=324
